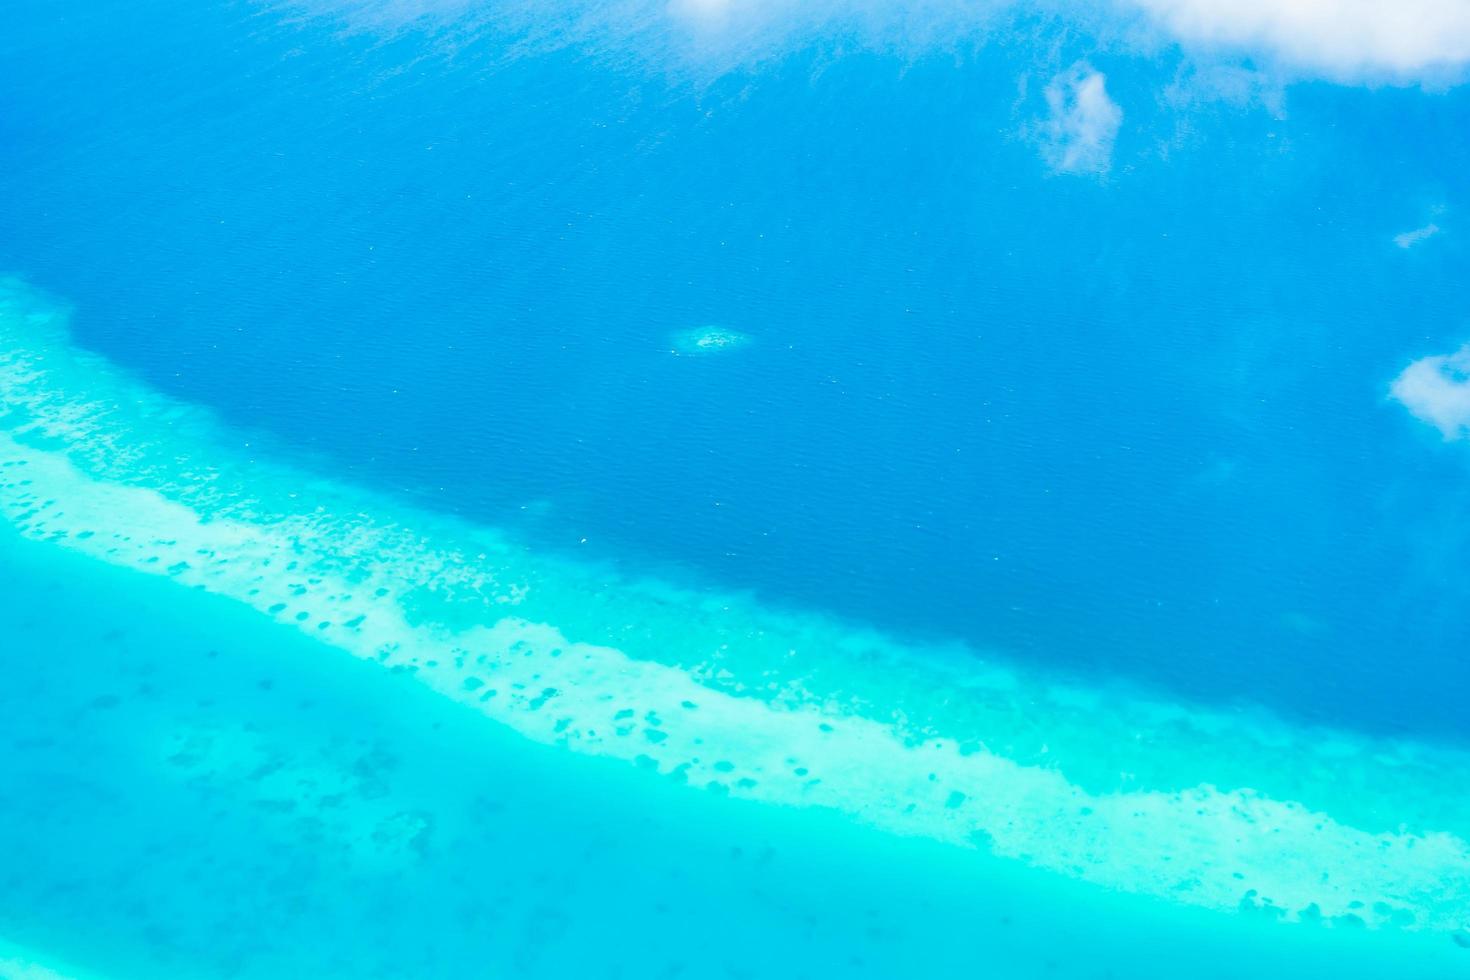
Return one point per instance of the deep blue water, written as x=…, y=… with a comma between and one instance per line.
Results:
x=1136, y=424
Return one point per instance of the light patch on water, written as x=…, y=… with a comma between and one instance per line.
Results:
x=1228, y=811
x=19, y=963
x=1436, y=389
x=1409, y=239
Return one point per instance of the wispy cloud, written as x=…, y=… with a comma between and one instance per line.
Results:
x=1082, y=121
x=1409, y=239
x=1437, y=390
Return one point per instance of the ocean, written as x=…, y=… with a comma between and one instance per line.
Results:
x=728, y=490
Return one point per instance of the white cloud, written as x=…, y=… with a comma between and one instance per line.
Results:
x=1077, y=135
x=1339, y=39
x=1409, y=239
x=1437, y=390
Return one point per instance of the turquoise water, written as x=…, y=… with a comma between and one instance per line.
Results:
x=223, y=800
x=722, y=490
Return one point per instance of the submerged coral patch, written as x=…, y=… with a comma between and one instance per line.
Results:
x=707, y=340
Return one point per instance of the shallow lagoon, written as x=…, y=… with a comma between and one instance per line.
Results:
x=231, y=799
